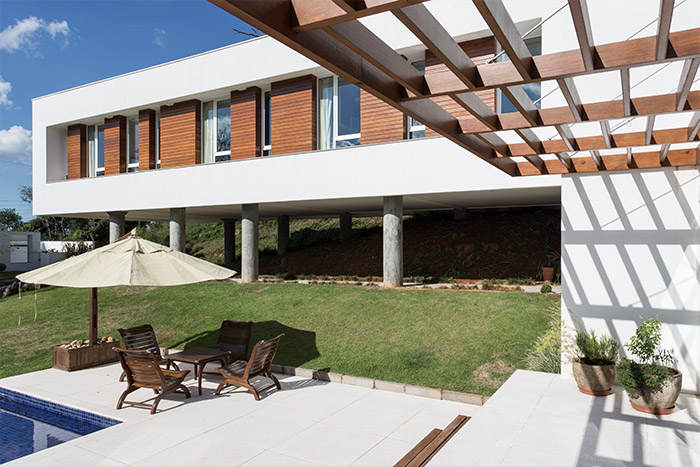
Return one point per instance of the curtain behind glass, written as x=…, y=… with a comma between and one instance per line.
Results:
x=91, y=151
x=325, y=110
x=208, y=133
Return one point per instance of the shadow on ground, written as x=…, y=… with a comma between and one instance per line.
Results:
x=296, y=348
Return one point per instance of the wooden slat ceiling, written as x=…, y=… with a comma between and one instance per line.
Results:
x=329, y=33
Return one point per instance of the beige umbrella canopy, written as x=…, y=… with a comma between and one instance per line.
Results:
x=129, y=261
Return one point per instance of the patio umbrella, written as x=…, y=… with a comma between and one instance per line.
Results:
x=129, y=261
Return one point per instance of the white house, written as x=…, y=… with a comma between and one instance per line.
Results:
x=402, y=106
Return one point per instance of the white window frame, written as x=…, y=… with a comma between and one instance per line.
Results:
x=415, y=125
x=99, y=171
x=265, y=147
x=131, y=166
x=336, y=111
x=215, y=128
x=157, y=140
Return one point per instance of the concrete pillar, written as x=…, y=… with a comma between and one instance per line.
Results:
x=116, y=225
x=177, y=229
x=393, y=241
x=282, y=235
x=229, y=240
x=460, y=214
x=249, y=243
x=345, y=226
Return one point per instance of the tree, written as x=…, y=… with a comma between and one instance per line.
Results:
x=10, y=219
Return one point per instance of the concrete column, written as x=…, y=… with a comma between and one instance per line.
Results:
x=345, y=226
x=116, y=225
x=282, y=235
x=249, y=243
x=177, y=229
x=229, y=240
x=460, y=214
x=393, y=241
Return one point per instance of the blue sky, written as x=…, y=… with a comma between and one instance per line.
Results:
x=48, y=46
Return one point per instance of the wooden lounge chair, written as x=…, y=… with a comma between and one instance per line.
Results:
x=143, y=337
x=143, y=370
x=241, y=373
x=234, y=337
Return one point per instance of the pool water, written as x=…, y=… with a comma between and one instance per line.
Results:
x=29, y=424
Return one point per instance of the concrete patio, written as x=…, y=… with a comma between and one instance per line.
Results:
x=533, y=419
x=309, y=422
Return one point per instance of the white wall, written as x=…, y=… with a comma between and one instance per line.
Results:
x=630, y=249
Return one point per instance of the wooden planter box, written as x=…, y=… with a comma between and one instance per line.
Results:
x=84, y=357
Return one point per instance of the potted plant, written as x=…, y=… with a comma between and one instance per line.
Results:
x=651, y=380
x=550, y=267
x=594, y=361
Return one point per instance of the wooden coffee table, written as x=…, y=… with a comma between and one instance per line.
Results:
x=199, y=357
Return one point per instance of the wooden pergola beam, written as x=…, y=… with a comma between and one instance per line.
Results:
x=626, y=91
x=584, y=34
x=649, y=133
x=690, y=69
x=607, y=137
x=314, y=14
x=567, y=137
x=573, y=100
x=419, y=20
x=568, y=64
x=370, y=47
x=663, y=28
x=274, y=17
x=482, y=112
x=522, y=102
x=507, y=34
x=594, y=143
x=694, y=126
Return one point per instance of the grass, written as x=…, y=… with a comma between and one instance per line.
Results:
x=459, y=340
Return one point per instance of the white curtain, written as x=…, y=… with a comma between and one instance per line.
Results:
x=91, y=152
x=325, y=110
x=208, y=133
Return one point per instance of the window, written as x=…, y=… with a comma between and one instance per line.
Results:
x=216, y=131
x=19, y=249
x=415, y=128
x=267, y=147
x=96, y=150
x=339, y=113
x=132, y=146
x=157, y=140
x=534, y=90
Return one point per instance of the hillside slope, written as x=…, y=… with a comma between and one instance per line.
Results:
x=489, y=244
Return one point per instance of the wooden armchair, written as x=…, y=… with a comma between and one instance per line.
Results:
x=142, y=370
x=241, y=373
x=143, y=337
x=234, y=338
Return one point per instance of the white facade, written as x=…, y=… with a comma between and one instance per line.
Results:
x=631, y=251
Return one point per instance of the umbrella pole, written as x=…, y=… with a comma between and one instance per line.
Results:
x=93, y=316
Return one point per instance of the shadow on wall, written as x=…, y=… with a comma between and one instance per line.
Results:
x=296, y=348
x=630, y=251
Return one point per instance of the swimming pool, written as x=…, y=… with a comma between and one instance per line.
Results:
x=29, y=424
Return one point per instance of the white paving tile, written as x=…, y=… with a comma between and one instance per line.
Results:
x=275, y=459
x=371, y=418
x=328, y=445
x=387, y=452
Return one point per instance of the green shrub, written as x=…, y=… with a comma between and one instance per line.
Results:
x=595, y=350
x=546, y=288
x=650, y=369
x=546, y=354
x=2, y=267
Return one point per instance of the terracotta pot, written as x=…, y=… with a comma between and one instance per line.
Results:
x=547, y=274
x=661, y=400
x=594, y=380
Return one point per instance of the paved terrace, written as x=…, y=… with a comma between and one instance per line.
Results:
x=534, y=419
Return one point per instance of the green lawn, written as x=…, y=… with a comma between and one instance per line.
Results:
x=451, y=339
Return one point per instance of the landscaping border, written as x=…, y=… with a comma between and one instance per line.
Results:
x=433, y=393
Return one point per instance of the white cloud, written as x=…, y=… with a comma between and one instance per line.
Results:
x=159, y=37
x=5, y=89
x=16, y=143
x=23, y=34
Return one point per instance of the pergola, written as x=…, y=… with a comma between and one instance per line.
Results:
x=329, y=33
